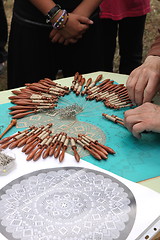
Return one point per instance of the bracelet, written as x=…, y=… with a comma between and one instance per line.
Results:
x=55, y=14
x=65, y=21
x=60, y=21
x=52, y=13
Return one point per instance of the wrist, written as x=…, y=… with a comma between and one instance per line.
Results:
x=80, y=12
x=152, y=59
x=53, y=13
x=60, y=20
x=56, y=17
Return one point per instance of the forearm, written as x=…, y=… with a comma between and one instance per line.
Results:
x=155, y=47
x=87, y=7
x=43, y=5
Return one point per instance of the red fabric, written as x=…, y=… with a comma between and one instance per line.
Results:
x=119, y=9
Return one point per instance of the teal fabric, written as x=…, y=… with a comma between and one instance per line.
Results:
x=135, y=159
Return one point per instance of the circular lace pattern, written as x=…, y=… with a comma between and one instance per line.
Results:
x=68, y=204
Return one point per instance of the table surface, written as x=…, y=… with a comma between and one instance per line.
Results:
x=153, y=183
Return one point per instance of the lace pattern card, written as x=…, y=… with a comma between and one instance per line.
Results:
x=73, y=202
x=69, y=203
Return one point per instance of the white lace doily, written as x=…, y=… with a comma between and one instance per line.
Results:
x=68, y=204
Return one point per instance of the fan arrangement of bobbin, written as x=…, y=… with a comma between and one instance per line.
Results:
x=39, y=141
x=45, y=94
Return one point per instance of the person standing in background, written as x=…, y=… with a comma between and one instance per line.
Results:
x=68, y=40
x=125, y=19
x=3, y=36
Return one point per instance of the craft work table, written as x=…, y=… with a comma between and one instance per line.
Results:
x=154, y=182
x=133, y=164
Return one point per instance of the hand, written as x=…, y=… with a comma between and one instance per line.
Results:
x=143, y=118
x=74, y=29
x=57, y=37
x=144, y=81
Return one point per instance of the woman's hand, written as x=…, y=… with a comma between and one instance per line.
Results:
x=57, y=37
x=143, y=118
x=74, y=29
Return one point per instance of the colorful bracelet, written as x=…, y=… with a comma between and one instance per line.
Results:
x=52, y=13
x=60, y=21
x=65, y=21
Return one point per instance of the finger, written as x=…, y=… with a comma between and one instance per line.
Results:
x=72, y=40
x=85, y=20
x=130, y=84
x=79, y=37
x=132, y=112
x=61, y=40
x=84, y=28
x=137, y=129
x=140, y=88
x=56, y=38
x=127, y=113
x=148, y=94
x=130, y=121
x=150, y=90
x=66, y=42
x=52, y=33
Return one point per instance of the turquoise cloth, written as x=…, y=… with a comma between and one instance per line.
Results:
x=135, y=159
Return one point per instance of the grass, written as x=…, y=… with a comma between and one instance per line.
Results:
x=151, y=30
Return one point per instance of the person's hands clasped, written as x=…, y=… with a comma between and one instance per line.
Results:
x=73, y=31
x=57, y=37
x=144, y=81
x=143, y=118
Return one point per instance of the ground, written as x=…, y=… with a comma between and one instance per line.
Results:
x=151, y=30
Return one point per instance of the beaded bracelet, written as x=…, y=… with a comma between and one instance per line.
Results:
x=65, y=21
x=60, y=21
